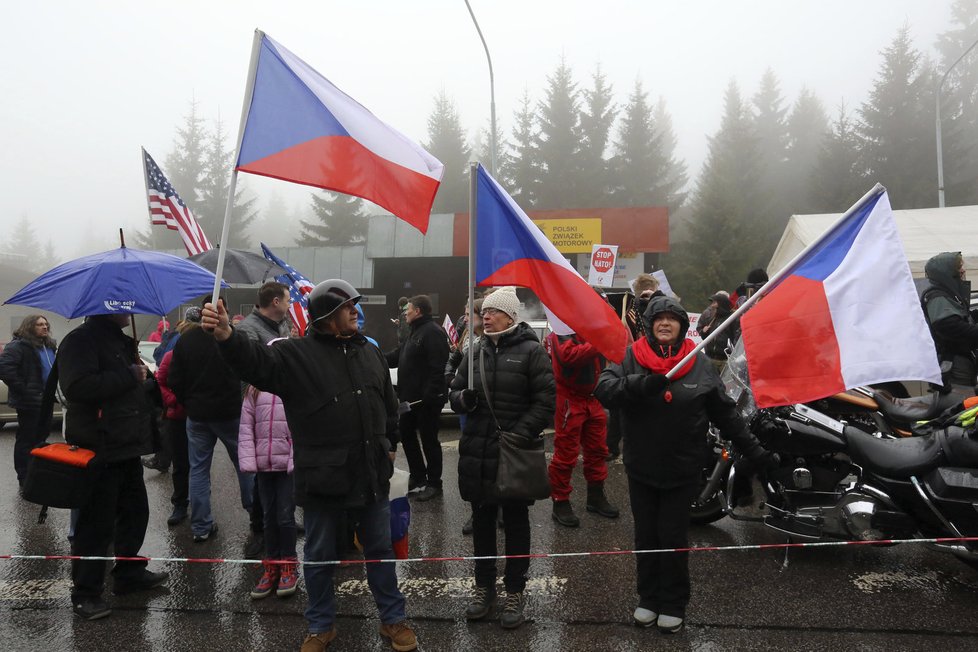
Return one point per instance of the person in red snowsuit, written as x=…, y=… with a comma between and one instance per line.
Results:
x=580, y=422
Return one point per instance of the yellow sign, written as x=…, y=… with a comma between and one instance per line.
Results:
x=572, y=236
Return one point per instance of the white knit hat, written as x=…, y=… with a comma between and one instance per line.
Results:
x=505, y=300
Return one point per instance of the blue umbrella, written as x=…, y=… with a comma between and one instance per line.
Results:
x=121, y=280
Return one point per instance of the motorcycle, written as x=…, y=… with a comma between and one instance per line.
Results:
x=835, y=481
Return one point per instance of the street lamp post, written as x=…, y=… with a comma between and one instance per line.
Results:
x=940, y=152
x=492, y=96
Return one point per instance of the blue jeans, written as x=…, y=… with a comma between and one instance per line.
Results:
x=277, y=493
x=374, y=532
x=202, y=436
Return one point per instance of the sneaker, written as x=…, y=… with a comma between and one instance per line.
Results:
x=481, y=604
x=267, y=583
x=644, y=617
x=143, y=582
x=401, y=636
x=416, y=486
x=91, y=608
x=669, y=624
x=512, y=616
x=288, y=580
x=429, y=492
x=564, y=514
x=467, y=528
x=179, y=515
x=200, y=538
x=318, y=642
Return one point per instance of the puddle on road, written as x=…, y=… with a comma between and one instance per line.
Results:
x=925, y=581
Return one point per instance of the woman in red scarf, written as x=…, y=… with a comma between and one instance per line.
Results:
x=665, y=429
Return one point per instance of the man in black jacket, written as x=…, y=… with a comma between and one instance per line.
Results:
x=211, y=393
x=420, y=362
x=107, y=412
x=342, y=411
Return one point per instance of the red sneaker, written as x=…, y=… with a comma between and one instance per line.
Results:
x=267, y=582
x=288, y=579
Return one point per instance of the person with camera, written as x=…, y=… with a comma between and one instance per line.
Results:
x=665, y=426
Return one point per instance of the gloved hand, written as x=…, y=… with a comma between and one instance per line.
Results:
x=403, y=408
x=765, y=461
x=653, y=384
x=469, y=399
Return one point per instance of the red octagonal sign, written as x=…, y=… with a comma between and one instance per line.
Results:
x=603, y=259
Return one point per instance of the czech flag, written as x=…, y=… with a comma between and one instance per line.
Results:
x=845, y=313
x=511, y=250
x=301, y=128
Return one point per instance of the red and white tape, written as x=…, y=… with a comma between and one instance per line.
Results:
x=536, y=555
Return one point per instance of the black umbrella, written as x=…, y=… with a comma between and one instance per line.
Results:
x=239, y=266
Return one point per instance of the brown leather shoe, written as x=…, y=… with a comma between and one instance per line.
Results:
x=318, y=642
x=401, y=636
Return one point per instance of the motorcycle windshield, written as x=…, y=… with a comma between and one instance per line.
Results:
x=736, y=381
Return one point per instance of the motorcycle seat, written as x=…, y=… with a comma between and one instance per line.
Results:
x=894, y=458
x=908, y=410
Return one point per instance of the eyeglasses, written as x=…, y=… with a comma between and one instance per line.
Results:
x=491, y=311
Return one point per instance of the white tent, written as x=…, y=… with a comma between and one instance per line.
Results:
x=924, y=232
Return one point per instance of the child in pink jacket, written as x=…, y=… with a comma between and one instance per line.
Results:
x=265, y=448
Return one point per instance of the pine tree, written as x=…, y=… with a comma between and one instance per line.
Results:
x=274, y=226
x=339, y=221
x=897, y=126
x=559, y=142
x=646, y=172
x=523, y=173
x=481, y=144
x=23, y=242
x=446, y=142
x=48, y=258
x=214, y=188
x=771, y=129
x=959, y=105
x=724, y=232
x=596, y=120
x=807, y=126
x=838, y=179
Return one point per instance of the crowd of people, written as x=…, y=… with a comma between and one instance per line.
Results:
x=314, y=422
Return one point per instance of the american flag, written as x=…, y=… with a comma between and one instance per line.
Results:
x=166, y=208
x=299, y=287
x=450, y=329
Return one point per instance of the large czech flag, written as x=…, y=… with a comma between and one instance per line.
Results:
x=846, y=313
x=511, y=250
x=301, y=128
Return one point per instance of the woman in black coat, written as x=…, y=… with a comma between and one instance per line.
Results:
x=520, y=381
x=665, y=426
x=24, y=366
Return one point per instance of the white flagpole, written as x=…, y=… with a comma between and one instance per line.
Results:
x=249, y=92
x=877, y=189
x=473, y=199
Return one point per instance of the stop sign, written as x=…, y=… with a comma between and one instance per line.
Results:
x=603, y=259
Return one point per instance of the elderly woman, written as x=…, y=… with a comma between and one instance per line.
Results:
x=520, y=382
x=665, y=426
x=24, y=366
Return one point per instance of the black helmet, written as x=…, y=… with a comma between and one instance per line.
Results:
x=329, y=295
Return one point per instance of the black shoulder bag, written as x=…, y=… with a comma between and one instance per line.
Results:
x=522, y=471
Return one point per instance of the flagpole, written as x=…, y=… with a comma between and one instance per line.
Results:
x=473, y=199
x=774, y=280
x=232, y=186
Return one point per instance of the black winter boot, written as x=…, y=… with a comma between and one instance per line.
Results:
x=564, y=514
x=598, y=502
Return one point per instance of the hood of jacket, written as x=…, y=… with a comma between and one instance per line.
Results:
x=663, y=304
x=942, y=272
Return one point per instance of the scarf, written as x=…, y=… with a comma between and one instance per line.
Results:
x=665, y=358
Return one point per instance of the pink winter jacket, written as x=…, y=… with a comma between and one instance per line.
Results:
x=264, y=439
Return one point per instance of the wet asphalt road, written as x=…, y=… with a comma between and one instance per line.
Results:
x=868, y=598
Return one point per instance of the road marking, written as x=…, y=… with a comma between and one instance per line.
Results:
x=918, y=581
x=451, y=587
x=34, y=590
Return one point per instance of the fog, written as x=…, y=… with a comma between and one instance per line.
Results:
x=87, y=83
